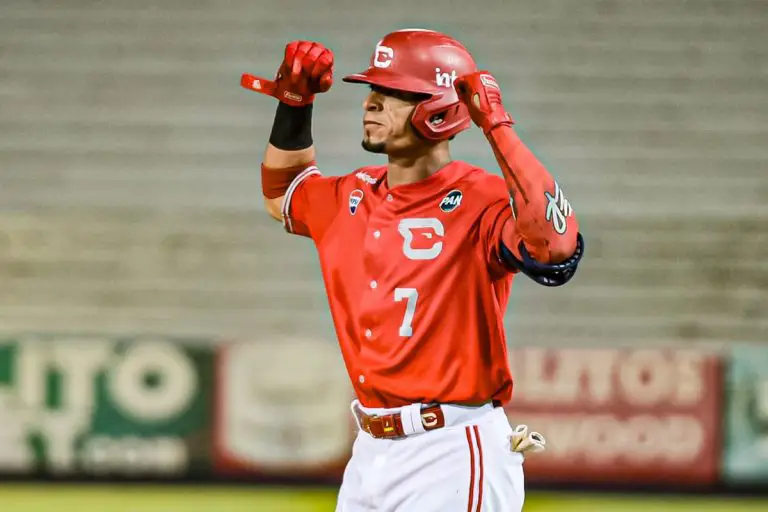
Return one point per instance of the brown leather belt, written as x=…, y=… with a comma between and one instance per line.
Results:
x=389, y=426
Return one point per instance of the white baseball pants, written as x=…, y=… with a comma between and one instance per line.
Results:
x=466, y=466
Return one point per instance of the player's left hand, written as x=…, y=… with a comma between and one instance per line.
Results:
x=306, y=70
x=522, y=441
x=480, y=92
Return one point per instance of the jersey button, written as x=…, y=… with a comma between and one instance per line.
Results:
x=389, y=197
x=361, y=379
x=368, y=333
x=374, y=284
x=376, y=234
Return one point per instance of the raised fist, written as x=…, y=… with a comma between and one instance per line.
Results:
x=480, y=92
x=307, y=69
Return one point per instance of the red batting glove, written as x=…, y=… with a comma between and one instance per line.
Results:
x=307, y=69
x=480, y=92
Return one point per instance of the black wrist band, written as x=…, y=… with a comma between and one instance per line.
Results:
x=292, y=128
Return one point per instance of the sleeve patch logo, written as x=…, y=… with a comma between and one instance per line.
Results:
x=355, y=198
x=558, y=210
x=364, y=176
x=451, y=201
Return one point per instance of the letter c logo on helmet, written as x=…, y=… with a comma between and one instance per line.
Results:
x=383, y=56
x=424, y=62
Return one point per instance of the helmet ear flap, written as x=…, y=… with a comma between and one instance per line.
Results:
x=440, y=117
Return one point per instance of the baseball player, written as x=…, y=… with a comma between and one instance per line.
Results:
x=418, y=258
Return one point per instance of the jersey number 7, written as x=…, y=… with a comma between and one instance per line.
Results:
x=411, y=295
x=430, y=229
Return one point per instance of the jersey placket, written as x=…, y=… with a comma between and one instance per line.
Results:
x=379, y=240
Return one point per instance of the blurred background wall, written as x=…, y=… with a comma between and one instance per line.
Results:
x=130, y=201
x=130, y=160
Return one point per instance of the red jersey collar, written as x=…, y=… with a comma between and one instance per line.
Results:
x=444, y=176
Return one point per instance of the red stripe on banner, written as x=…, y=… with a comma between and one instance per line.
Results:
x=471, y=470
x=480, y=463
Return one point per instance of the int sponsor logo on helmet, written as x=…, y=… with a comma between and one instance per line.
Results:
x=383, y=56
x=445, y=79
x=451, y=201
x=355, y=197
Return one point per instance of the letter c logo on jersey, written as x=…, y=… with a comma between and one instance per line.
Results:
x=355, y=198
x=420, y=238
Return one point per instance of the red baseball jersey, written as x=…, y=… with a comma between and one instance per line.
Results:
x=415, y=283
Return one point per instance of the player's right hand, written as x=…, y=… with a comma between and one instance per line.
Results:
x=481, y=94
x=307, y=69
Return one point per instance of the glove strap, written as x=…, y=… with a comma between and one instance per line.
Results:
x=274, y=89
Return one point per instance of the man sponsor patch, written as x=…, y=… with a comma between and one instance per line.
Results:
x=558, y=210
x=355, y=197
x=451, y=201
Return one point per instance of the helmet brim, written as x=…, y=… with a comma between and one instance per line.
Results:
x=374, y=76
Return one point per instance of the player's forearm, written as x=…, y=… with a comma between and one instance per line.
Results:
x=276, y=158
x=289, y=152
x=544, y=220
x=290, y=142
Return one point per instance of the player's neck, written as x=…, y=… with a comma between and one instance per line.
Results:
x=402, y=170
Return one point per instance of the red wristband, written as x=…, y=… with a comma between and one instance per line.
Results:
x=275, y=182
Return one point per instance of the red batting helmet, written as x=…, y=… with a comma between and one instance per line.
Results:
x=425, y=62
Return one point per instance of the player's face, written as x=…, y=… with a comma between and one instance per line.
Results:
x=387, y=121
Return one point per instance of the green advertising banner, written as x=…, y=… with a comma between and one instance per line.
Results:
x=111, y=407
x=745, y=457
